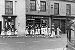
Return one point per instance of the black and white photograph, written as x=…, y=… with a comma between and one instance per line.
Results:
x=37, y=24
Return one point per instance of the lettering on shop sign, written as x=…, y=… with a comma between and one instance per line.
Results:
x=37, y=17
x=30, y=19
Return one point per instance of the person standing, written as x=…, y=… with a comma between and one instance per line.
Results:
x=58, y=32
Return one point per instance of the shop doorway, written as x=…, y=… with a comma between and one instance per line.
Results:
x=59, y=23
x=0, y=26
x=63, y=26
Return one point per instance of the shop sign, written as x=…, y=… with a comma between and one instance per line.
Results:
x=37, y=17
x=59, y=18
x=30, y=19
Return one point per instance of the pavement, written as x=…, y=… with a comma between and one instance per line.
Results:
x=33, y=43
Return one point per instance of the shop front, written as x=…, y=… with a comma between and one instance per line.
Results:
x=59, y=21
x=9, y=24
x=37, y=22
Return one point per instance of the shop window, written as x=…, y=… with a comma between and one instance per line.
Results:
x=8, y=7
x=42, y=6
x=9, y=24
x=56, y=8
x=68, y=9
x=44, y=23
x=32, y=5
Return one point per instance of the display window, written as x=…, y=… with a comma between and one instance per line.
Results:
x=9, y=24
x=36, y=22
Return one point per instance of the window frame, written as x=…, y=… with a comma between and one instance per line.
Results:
x=44, y=2
x=56, y=8
x=9, y=8
x=68, y=9
x=31, y=9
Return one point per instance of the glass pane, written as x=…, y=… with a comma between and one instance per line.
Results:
x=68, y=9
x=9, y=7
x=56, y=11
x=7, y=11
x=43, y=6
x=32, y=6
x=56, y=8
x=68, y=6
x=55, y=5
x=10, y=11
x=7, y=4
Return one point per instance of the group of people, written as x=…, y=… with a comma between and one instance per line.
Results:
x=8, y=32
x=56, y=32
x=37, y=30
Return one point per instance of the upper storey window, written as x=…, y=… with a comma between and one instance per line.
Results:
x=32, y=5
x=68, y=9
x=42, y=6
x=8, y=7
x=56, y=8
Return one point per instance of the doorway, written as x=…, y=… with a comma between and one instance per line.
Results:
x=59, y=23
x=63, y=26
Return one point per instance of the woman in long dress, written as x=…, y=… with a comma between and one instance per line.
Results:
x=58, y=32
